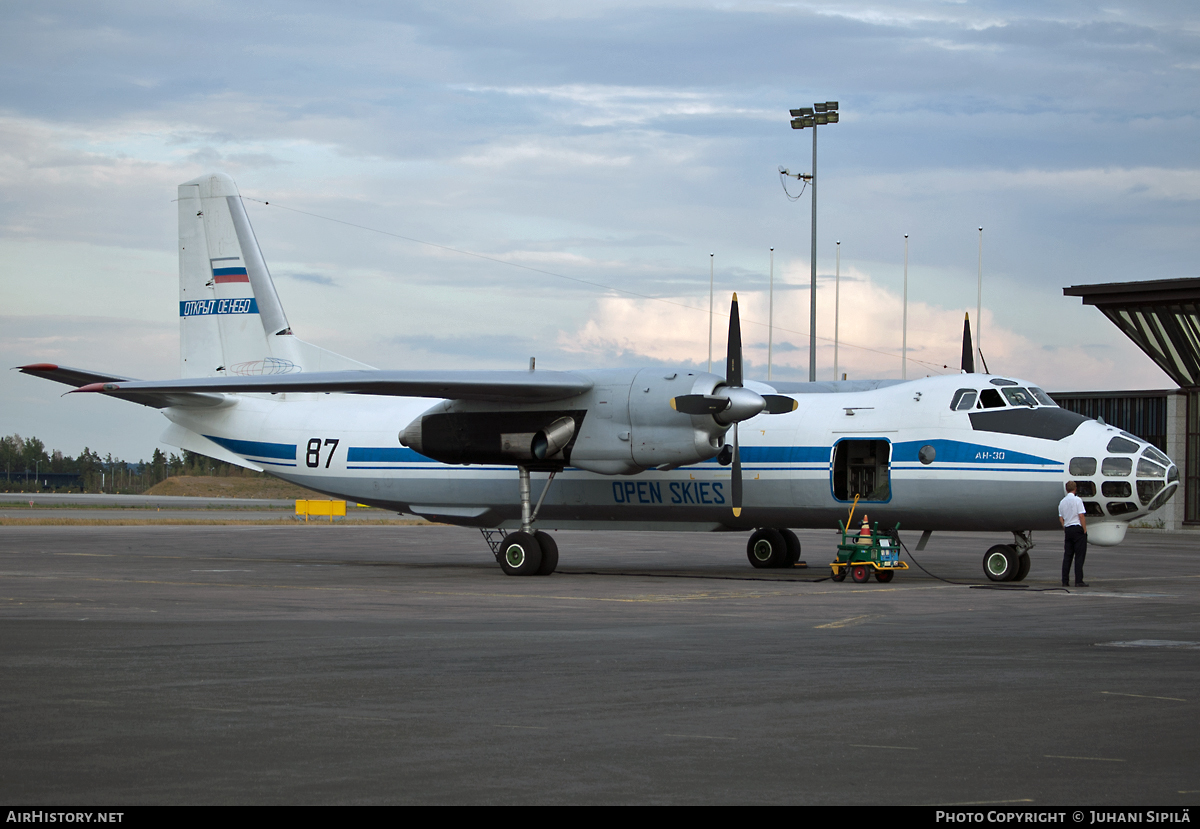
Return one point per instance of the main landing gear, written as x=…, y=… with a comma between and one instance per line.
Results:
x=1009, y=562
x=527, y=552
x=770, y=548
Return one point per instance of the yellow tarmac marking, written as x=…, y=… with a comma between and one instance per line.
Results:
x=842, y=623
x=1070, y=757
x=898, y=748
x=699, y=737
x=1141, y=696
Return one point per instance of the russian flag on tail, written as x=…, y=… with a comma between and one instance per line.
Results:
x=229, y=269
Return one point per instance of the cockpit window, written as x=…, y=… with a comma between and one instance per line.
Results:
x=963, y=399
x=1122, y=445
x=990, y=399
x=1117, y=467
x=1154, y=454
x=1083, y=466
x=1018, y=396
x=1041, y=396
x=1149, y=469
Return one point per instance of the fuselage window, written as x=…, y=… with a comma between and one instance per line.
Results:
x=1116, y=467
x=1122, y=445
x=1085, y=489
x=1041, y=396
x=1092, y=508
x=1121, y=508
x=860, y=467
x=990, y=399
x=963, y=399
x=1083, y=466
x=1116, y=489
x=1019, y=397
x=1147, y=469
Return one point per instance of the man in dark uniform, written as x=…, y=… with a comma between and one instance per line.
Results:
x=1072, y=517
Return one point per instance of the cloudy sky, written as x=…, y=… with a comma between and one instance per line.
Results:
x=597, y=153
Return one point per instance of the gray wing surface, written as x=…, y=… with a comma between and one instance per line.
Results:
x=511, y=386
x=82, y=378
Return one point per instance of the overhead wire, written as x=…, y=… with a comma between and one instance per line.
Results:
x=933, y=366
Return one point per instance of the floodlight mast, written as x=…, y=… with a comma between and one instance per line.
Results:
x=811, y=117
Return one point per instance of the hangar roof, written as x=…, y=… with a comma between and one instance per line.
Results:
x=1162, y=316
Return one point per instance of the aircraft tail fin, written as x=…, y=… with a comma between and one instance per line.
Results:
x=231, y=321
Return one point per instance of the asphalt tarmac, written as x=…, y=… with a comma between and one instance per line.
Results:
x=298, y=665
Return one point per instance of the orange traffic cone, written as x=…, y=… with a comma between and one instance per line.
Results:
x=864, y=532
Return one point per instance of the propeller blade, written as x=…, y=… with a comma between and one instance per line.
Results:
x=778, y=404
x=968, y=353
x=700, y=404
x=736, y=480
x=733, y=360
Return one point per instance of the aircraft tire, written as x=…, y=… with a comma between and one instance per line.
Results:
x=793, y=548
x=1000, y=563
x=549, y=553
x=1022, y=567
x=884, y=575
x=861, y=573
x=520, y=554
x=766, y=548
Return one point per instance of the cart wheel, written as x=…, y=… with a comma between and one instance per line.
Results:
x=839, y=573
x=884, y=575
x=861, y=573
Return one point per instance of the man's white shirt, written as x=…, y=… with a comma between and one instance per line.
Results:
x=1069, y=510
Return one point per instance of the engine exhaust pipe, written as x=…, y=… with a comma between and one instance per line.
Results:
x=549, y=441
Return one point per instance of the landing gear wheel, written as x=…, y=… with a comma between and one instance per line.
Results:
x=1000, y=563
x=884, y=575
x=839, y=574
x=1022, y=568
x=549, y=553
x=861, y=573
x=793, y=548
x=766, y=548
x=520, y=554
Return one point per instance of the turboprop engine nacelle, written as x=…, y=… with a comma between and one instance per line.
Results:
x=622, y=426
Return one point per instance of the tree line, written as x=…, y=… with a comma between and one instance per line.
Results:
x=29, y=467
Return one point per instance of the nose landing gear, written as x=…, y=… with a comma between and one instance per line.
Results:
x=1009, y=562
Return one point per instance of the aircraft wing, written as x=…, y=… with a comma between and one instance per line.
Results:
x=512, y=386
x=82, y=378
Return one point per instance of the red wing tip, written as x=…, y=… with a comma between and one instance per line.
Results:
x=94, y=387
x=38, y=367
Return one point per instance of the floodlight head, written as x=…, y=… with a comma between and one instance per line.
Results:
x=821, y=119
x=797, y=123
x=796, y=113
x=831, y=105
x=819, y=107
x=833, y=117
x=807, y=121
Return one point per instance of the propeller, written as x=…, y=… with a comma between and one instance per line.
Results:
x=968, y=355
x=731, y=402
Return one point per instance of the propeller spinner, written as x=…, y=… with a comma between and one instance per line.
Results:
x=731, y=402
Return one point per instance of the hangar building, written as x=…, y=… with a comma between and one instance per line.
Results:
x=1163, y=318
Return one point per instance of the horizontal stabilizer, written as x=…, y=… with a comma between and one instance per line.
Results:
x=81, y=378
x=513, y=386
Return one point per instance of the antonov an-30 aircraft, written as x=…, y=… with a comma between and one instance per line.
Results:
x=617, y=449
